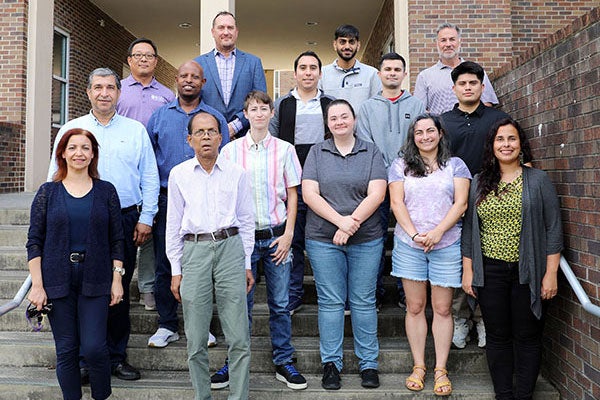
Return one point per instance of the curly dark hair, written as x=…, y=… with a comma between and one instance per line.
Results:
x=414, y=164
x=489, y=177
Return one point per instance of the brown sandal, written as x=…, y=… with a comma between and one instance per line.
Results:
x=416, y=379
x=441, y=381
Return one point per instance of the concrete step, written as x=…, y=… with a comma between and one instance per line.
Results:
x=13, y=235
x=41, y=383
x=36, y=349
x=13, y=258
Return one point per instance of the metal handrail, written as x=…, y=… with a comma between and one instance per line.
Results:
x=19, y=297
x=576, y=286
x=564, y=266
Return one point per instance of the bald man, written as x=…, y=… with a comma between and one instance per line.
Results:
x=167, y=128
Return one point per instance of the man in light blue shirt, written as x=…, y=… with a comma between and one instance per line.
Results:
x=127, y=161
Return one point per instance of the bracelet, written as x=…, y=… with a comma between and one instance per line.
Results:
x=414, y=236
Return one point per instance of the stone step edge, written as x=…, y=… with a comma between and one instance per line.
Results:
x=178, y=383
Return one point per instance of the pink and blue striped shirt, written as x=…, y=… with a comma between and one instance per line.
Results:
x=272, y=166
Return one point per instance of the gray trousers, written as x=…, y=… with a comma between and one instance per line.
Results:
x=216, y=266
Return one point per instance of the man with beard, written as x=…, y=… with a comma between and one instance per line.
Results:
x=347, y=78
x=168, y=133
x=434, y=84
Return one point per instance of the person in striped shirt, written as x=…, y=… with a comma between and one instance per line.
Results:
x=275, y=173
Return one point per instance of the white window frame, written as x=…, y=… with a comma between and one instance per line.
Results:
x=64, y=80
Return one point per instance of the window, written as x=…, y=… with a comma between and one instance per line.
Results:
x=60, y=78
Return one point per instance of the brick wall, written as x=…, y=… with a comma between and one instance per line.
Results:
x=13, y=50
x=493, y=31
x=93, y=46
x=485, y=31
x=384, y=29
x=553, y=90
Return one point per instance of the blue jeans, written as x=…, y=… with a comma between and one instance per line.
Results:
x=277, y=279
x=298, y=245
x=346, y=272
x=166, y=305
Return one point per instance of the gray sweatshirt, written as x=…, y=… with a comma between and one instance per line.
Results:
x=385, y=123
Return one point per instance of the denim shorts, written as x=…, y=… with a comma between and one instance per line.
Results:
x=441, y=267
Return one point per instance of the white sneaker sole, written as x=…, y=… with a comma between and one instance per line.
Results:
x=217, y=386
x=294, y=386
x=160, y=345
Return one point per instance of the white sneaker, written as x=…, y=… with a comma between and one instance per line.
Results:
x=162, y=338
x=212, y=340
x=480, y=334
x=461, y=333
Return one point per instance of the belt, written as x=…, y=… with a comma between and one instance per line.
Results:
x=507, y=264
x=134, y=207
x=221, y=234
x=269, y=233
x=76, y=257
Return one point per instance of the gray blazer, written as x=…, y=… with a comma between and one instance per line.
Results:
x=541, y=233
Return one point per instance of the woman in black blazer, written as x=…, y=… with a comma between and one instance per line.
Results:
x=75, y=253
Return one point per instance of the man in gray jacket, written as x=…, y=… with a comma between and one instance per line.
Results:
x=384, y=120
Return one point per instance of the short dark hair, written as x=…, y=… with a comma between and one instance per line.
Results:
x=392, y=56
x=104, y=72
x=189, y=125
x=346, y=31
x=260, y=97
x=61, y=163
x=142, y=40
x=467, y=67
x=308, y=53
x=221, y=13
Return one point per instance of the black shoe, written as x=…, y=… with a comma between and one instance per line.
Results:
x=220, y=379
x=125, y=372
x=370, y=378
x=288, y=374
x=331, y=377
x=85, y=376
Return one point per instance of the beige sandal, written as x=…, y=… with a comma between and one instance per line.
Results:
x=442, y=381
x=416, y=379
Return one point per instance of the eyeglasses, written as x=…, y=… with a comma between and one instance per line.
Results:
x=138, y=56
x=35, y=317
x=201, y=132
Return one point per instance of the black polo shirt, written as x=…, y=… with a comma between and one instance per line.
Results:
x=467, y=132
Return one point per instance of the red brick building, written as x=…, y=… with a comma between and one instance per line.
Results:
x=543, y=57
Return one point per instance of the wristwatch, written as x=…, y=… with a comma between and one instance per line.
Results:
x=119, y=270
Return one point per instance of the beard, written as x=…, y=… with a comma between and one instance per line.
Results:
x=346, y=58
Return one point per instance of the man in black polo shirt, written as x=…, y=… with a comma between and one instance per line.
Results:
x=467, y=125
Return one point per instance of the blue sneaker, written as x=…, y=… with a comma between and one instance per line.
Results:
x=288, y=374
x=220, y=379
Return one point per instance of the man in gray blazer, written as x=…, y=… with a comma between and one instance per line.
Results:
x=230, y=74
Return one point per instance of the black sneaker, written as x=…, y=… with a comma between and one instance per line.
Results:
x=288, y=374
x=220, y=379
x=331, y=377
x=370, y=378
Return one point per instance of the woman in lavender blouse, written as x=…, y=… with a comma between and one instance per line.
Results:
x=429, y=192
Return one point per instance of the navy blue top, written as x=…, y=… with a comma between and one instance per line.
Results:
x=48, y=238
x=79, y=209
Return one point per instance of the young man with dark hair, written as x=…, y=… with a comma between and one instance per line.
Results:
x=347, y=78
x=298, y=119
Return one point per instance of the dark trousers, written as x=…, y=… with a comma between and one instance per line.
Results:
x=79, y=327
x=513, y=333
x=384, y=218
x=298, y=246
x=119, y=324
x=166, y=305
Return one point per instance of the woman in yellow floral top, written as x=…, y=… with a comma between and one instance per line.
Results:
x=511, y=243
